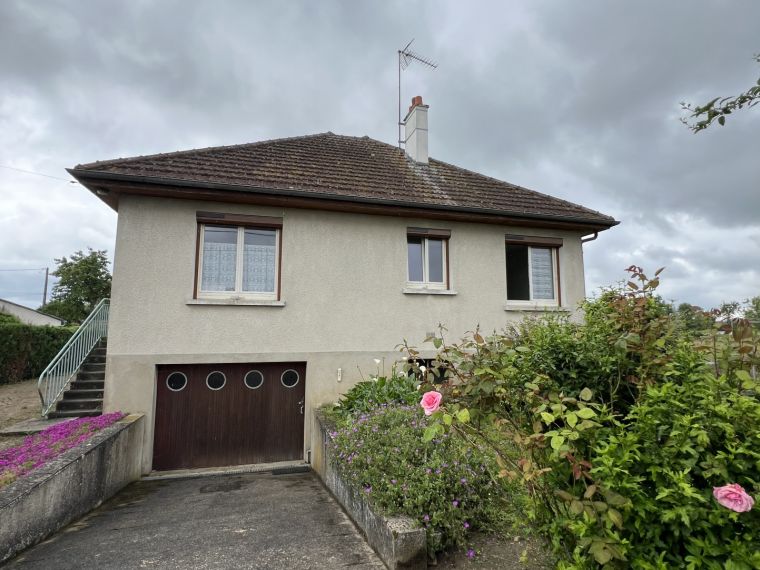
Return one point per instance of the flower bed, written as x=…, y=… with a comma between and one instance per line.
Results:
x=445, y=485
x=39, y=449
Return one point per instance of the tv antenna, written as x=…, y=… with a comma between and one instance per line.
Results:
x=406, y=57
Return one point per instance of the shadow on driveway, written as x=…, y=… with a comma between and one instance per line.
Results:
x=254, y=520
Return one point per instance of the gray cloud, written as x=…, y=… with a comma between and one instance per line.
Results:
x=580, y=100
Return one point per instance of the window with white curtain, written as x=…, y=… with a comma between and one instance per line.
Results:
x=238, y=261
x=531, y=274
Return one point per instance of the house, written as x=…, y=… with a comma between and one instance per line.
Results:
x=27, y=315
x=252, y=283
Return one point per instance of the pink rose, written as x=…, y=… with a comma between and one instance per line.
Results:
x=430, y=402
x=733, y=497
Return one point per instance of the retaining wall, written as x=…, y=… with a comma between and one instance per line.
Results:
x=47, y=499
x=397, y=540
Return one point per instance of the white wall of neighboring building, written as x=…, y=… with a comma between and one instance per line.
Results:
x=342, y=281
x=27, y=315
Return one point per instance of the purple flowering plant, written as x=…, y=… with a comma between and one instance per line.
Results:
x=383, y=450
x=39, y=449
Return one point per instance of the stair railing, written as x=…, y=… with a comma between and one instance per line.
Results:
x=63, y=368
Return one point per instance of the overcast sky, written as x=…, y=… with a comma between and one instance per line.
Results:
x=579, y=99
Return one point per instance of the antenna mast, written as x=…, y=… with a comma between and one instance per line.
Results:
x=405, y=58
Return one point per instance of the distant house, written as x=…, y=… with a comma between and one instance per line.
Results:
x=27, y=315
x=251, y=281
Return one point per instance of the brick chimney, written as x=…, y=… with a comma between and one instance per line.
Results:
x=416, y=131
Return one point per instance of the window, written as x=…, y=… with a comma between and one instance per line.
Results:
x=216, y=380
x=532, y=273
x=238, y=261
x=289, y=378
x=176, y=381
x=427, y=258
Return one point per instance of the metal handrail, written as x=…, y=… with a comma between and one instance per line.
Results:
x=64, y=366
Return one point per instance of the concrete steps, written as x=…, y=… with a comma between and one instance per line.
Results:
x=84, y=396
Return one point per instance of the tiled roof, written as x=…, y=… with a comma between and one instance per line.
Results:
x=332, y=165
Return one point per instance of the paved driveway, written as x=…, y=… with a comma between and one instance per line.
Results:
x=254, y=520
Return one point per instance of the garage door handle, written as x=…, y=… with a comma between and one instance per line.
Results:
x=301, y=405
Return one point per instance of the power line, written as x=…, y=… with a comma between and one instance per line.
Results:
x=38, y=269
x=38, y=174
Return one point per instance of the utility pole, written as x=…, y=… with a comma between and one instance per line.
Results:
x=44, y=293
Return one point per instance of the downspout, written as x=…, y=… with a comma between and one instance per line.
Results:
x=592, y=238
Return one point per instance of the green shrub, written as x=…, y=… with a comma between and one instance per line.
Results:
x=370, y=394
x=25, y=350
x=618, y=428
x=445, y=484
x=685, y=437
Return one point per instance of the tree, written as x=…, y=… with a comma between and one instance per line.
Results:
x=717, y=109
x=752, y=312
x=83, y=281
x=695, y=319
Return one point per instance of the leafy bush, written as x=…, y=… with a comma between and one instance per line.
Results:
x=369, y=394
x=444, y=484
x=25, y=350
x=618, y=428
x=686, y=436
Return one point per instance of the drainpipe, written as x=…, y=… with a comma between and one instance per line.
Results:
x=592, y=238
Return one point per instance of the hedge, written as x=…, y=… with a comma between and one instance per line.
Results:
x=25, y=350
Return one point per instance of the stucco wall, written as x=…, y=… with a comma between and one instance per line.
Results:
x=27, y=315
x=342, y=281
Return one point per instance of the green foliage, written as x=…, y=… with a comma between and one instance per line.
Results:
x=25, y=350
x=618, y=428
x=8, y=319
x=83, y=281
x=686, y=436
x=752, y=311
x=719, y=108
x=444, y=484
x=370, y=394
x=693, y=319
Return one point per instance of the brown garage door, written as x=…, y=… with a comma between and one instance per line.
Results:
x=210, y=415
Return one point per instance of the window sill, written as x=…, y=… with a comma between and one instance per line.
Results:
x=426, y=291
x=237, y=301
x=535, y=308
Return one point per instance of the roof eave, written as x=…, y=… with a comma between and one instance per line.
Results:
x=87, y=177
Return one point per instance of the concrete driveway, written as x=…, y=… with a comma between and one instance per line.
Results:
x=253, y=520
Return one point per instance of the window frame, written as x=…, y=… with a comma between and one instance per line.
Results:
x=552, y=245
x=425, y=236
x=241, y=223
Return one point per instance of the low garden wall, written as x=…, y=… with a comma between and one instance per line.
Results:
x=397, y=540
x=47, y=499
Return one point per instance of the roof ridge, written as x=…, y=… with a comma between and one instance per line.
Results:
x=129, y=159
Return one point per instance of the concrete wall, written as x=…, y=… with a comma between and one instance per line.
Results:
x=342, y=282
x=398, y=541
x=27, y=315
x=47, y=499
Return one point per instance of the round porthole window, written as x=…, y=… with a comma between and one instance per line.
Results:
x=290, y=378
x=253, y=379
x=216, y=380
x=176, y=381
